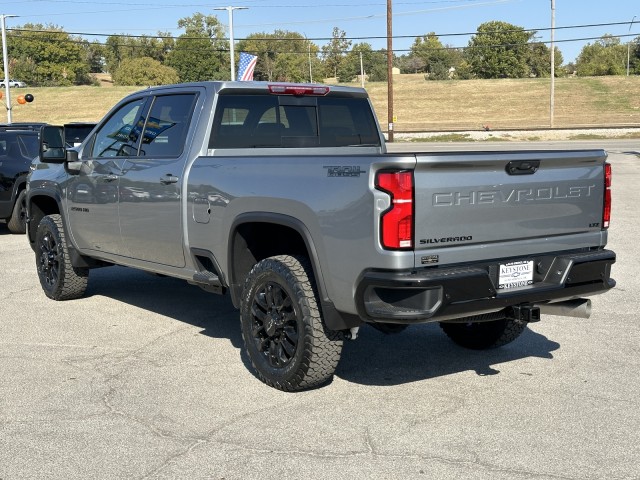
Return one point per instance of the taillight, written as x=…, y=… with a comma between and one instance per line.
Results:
x=397, y=222
x=299, y=90
x=606, y=214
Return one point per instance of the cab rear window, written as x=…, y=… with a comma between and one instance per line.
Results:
x=271, y=121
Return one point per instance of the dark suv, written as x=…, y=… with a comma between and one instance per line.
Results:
x=19, y=144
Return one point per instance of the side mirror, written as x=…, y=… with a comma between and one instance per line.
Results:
x=52, y=146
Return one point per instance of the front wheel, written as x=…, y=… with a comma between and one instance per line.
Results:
x=484, y=335
x=59, y=279
x=284, y=334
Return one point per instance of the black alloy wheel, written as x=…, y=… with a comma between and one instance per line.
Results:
x=284, y=333
x=275, y=326
x=59, y=279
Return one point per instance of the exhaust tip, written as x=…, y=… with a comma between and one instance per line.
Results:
x=578, y=308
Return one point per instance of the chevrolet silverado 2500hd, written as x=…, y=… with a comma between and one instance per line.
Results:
x=284, y=196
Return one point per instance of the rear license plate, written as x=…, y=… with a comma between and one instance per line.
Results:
x=515, y=274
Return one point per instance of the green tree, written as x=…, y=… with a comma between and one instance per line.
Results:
x=144, y=71
x=122, y=47
x=201, y=53
x=94, y=54
x=499, y=50
x=436, y=57
x=540, y=61
x=333, y=53
x=604, y=57
x=410, y=64
x=47, y=55
x=283, y=56
x=373, y=62
x=634, y=56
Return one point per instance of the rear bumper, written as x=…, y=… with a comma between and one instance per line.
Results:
x=439, y=294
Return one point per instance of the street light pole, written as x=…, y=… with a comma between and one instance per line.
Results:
x=629, y=45
x=230, y=10
x=5, y=61
x=552, y=99
x=389, y=71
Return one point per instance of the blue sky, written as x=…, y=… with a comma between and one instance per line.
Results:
x=358, y=18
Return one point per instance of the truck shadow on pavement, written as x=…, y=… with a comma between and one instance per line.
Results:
x=418, y=353
x=423, y=351
x=169, y=297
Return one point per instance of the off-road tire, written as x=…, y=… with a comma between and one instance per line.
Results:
x=18, y=221
x=285, y=337
x=59, y=279
x=482, y=335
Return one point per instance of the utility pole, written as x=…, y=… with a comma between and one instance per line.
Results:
x=231, y=45
x=390, y=71
x=310, y=74
x=629, y=45
x=5, y=63
x=553, y=64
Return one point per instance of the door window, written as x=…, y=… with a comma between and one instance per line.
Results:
x=29, y=145
x=167, y=124
x=118, y=137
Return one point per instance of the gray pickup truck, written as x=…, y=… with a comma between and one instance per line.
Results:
x=284, y=196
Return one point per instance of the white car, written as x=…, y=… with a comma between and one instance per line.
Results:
x=13, y=83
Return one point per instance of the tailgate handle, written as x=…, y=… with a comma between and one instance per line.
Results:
x=523, y=167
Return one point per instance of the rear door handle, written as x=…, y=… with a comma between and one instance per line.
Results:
x=168, y=179
x=109, y=178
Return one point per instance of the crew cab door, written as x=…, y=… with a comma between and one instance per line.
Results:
x=151, y=184
x=93, y=193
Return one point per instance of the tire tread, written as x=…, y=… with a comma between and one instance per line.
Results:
x=322, y=350
x=72, y=280
x=15, y=224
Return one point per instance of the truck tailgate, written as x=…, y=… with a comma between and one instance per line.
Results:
x=508, y=203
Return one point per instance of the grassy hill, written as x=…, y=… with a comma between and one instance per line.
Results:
x=419, y=105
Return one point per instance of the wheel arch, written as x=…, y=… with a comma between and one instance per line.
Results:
x=19, y=184
x=39, y=205
x=257, y=235
x=251, y=239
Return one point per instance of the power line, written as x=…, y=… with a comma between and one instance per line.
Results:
x=456, y=34
x=276, y=52
x=295, y=5
x=168, y=37
x=372, y=37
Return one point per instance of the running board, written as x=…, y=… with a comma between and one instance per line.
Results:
x=208, y=281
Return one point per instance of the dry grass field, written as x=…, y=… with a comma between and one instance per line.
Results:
x=419, y=105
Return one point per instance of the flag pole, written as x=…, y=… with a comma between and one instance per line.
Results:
x=230, y=10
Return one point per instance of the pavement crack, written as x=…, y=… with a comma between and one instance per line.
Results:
x=172, y=458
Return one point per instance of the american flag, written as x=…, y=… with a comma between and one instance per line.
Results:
x=246, y=65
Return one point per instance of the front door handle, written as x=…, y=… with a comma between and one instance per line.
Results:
x=168, y=179
x=109, y=178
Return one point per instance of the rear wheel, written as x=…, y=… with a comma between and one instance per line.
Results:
x=59, y=279
x=481, y=335
x=18, y=221
x=284, y=334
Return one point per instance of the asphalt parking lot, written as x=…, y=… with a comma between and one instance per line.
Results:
x=145, y=377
